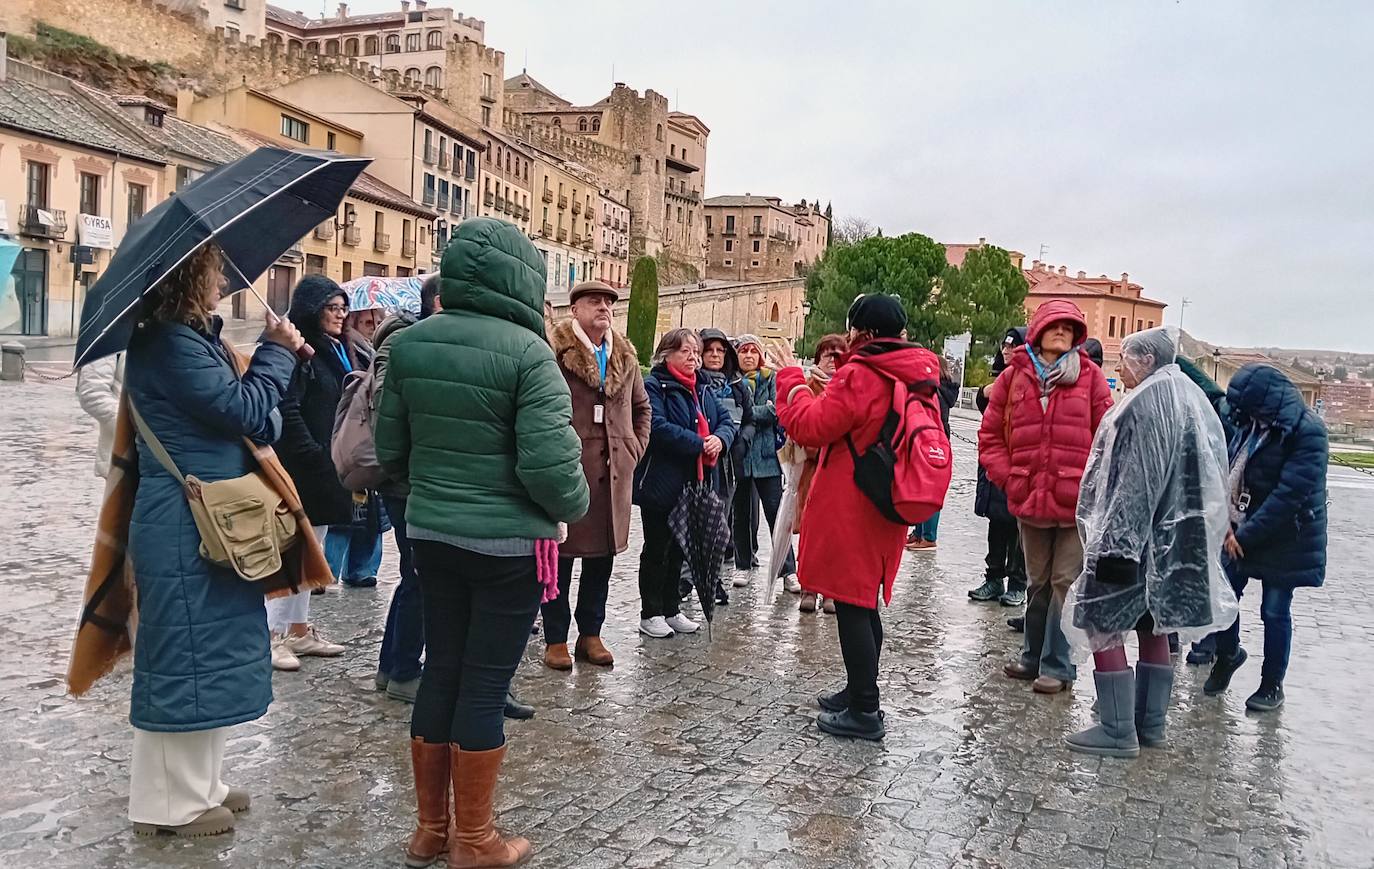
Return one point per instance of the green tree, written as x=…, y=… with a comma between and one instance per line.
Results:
x=643, y=313
x=986, y=295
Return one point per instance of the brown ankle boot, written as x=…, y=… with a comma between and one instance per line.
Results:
x=475, y=842
x=556, y=657
x=431, y=763
x=593, y=651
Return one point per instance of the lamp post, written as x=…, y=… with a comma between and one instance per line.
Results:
x=350, y=218
x=1216, y=363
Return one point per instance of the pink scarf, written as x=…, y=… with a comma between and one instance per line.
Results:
x=546, y=565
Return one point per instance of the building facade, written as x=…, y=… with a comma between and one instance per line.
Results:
x=565, y=222
x=613, y=263
x=760, y=238
x=506, y=178
x=1114, y=308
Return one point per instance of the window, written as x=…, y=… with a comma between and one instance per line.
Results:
x=558, y=122
x=312, y=47
x=38, y=184
x=378, y=222
x=370, y=47
x=596, y=124
x=443, y=146
x=729, y=223
x=679, y=214
x=582, y=125
x=331, y=48
x=185, y=175
x=292, y=128
x=314, y=264
x=347, y=274
x=351, y=45
x=659, y=134
x=486, y=116
x=393, y=43
x=138, y=201
x=758, y=223
x=329, y=140
x=412, y=42
x=754, y=264
x=756, y=245
x=672, y=150
x=1139, y=325
x=656, y=172
x=1150, y=325
x=434, y=77
x=434, y=39
x=486, y=85
x=637, y=164
x=413, y=75
x=708, y=223
x=1111, y=327
x=90, y=193
x=729, y=262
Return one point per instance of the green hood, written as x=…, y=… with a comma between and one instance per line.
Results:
x=491, y=268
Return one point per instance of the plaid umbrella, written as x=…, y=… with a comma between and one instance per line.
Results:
x=699, y=527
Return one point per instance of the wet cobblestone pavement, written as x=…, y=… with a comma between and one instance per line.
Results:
x=697, y=754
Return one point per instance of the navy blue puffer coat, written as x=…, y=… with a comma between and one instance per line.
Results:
x=1284, y=532
x=671, y=460
x=201, y=659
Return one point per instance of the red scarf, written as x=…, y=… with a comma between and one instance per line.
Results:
x=703, y=428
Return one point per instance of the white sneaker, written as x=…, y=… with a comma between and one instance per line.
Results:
x=742, y=578
x=682, y=624
x=792, y=584
x=282, y=656
x=313, y=644
x=656, y=627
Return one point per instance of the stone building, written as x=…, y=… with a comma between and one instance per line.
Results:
x=506, y=178
x=240, y=19
x=613, y=264
x=759, y=238
x=564, y=225
x=1114, y=308
x=436, y=164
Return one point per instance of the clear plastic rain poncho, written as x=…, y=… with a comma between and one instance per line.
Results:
x=1152, y=512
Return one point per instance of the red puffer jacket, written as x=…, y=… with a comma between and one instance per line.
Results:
x=848, y=551
x=1037, y=455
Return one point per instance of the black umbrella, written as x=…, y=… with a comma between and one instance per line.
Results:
x=699, y=526
x=254, y=208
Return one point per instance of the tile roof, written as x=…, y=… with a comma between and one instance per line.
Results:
x=175, y=135
x=303, y=22
x=745, y=202
x=525, y=81
x=57, y=115
x=1053, y=284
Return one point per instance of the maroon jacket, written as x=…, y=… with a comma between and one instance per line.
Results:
x=1037, y=455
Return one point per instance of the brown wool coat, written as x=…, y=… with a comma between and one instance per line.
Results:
x=610, y=451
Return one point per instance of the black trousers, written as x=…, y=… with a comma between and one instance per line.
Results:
x=1005, y=559
x=660, y=566
x=592, y=589
x=861, y=644
x=478, y=613
x=746, y=518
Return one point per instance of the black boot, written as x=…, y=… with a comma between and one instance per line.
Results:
x=1222, y=671
x=517, y=710
x=834, y=701
x=1017, y=623
x=1268, y=698
x=852, y=723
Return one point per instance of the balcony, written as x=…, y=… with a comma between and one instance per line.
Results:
x=577, y=207
x=42, y=223
x=431, y=154
x=546, y=230
x=500, y=204
x=577, y=240
x=547, y=195
x=509, y=206
x=562, y=234
x=728, y=232
x=779, y=236
x=587, y=243
x=457, y=206
x=488, y=199
x=678, y=162
x=408, y=247
x=325, y=231
x=442, y=202
x=606, y=249
x=562, y=201
x=352, y=236
x=756, y=232
x=617, y=225
x=605, y=220
x=429, y=197
x=381, y=242
x=470, y=174
x=443, y=161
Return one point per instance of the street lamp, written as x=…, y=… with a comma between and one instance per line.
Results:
x=1216, y=363
x=350, y=218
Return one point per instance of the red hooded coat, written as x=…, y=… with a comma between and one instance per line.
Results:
x=1037, y=455
x=848, y=551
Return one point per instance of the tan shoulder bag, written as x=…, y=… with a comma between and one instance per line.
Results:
x=243, y=523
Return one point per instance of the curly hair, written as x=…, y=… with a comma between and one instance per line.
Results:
x=188, y=294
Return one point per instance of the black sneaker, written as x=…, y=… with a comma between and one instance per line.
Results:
x=990, y=590
x=858, y=725
x=834, y=701
x=722, y=599
x=1266, y=699
x=1015, y=596
x=1222, y=671
x=1017, y=623
x=1201, y=657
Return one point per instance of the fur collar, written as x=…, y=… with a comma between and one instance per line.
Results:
x=573, y=355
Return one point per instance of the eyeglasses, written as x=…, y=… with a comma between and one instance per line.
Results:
x=833, y=354
x=336, y=309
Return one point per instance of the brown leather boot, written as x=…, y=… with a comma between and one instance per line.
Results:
x=475, y=842
x=593, y=651
x=431, y=763
x=556, y=657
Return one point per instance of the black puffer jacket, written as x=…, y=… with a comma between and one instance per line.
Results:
x=309, y=405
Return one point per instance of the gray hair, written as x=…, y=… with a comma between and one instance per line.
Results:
x=672, y=341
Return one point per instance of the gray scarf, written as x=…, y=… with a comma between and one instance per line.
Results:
x=1064, y=372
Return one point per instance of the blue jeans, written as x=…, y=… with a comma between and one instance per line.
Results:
x=1276, y=612
x=403, y=641
x=927, y=530
x=352, y=553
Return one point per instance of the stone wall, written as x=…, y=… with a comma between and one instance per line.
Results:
x=467, y=62
x=138, y=28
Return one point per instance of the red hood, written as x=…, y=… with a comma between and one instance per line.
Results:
x=905, y=362
x=1052, y=311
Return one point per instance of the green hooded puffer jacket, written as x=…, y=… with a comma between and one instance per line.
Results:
x=475, y=410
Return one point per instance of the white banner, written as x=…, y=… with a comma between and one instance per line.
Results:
x=4, y=217
x=956, y=351
x=96, y=231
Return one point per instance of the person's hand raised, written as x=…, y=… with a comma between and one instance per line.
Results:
x=282, y=331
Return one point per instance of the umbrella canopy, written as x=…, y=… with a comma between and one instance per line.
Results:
x=785, y=519
x=388, y=294
x=254, y=208
x=699, y=526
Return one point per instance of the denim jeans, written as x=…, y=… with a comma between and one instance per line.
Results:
x=352, y=553
x=403, y=641
x=478, y=613
x=929, y=529
x=1054, y=558
x=1276, y=612
x=592, y=588
x=746, y=519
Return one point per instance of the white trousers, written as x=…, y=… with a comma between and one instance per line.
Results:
x=292, y=609
x=173, y=777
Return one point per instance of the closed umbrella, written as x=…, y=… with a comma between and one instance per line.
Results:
x=255, y=209
x=787, y=514
x=699, y=526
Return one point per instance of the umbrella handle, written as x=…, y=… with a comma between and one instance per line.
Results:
x=304, y=352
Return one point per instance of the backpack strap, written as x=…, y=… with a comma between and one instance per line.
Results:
x=159, y=452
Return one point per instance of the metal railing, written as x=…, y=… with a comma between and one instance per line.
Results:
x=562, y=202
x=576, y=207
x=429, y=197
x=407, y=247
x=431, y=154
x=443, y=160
x=352, y=236
x=381, y=242
x=325, y=231
x=546, y=230
x=488, y=199
x=31, y=222
x=547, y=195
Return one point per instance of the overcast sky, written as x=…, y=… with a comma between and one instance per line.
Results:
x=1222, y=151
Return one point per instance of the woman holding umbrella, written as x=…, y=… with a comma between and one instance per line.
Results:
x=202, y=660
x=690, y=433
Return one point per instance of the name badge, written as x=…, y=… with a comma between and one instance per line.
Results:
x=599, y=414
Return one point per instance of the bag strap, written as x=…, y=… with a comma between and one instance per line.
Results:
x=159, y=452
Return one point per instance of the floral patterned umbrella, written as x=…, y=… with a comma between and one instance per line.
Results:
x=388, y=294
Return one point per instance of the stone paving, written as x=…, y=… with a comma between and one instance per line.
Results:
x=692, y=753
